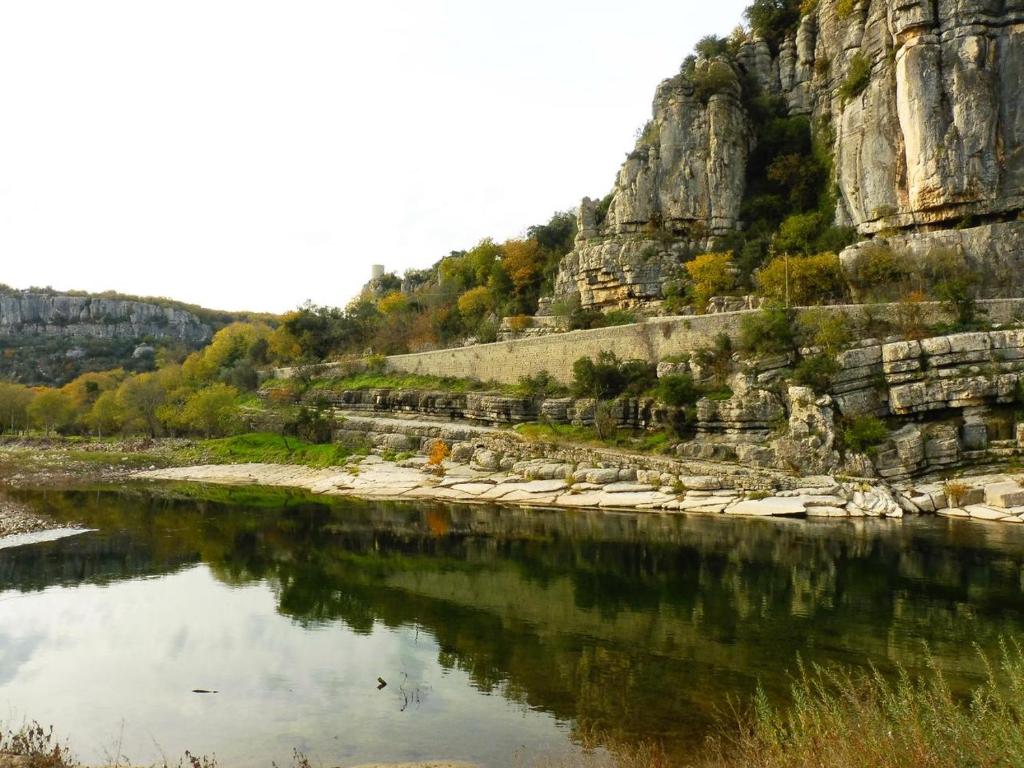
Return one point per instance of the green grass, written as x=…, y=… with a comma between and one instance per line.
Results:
x=844, y=719
x=369, y=380
x=657, y=441
x=267, y=448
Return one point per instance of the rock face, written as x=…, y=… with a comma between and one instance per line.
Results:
x=43, y=314
x=49, y=338
x=932, y=134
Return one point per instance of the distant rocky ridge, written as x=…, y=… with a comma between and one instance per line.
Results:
x=43, y=314
x=49, y=338
x=931, y=143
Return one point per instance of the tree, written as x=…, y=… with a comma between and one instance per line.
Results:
x=212, y=410
x=236, y=344
x=475, y=303
x=522, y=262
x=51, y=410
x=804, y=280
x=140, y=399
x=773, y=19
x=393, y=303
x=14, y=402
x=712, y=274
x=105, y=415
x=799, y=233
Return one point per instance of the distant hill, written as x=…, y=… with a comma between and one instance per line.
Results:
x=48, y=336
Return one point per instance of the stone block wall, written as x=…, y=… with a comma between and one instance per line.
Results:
x=658, y=338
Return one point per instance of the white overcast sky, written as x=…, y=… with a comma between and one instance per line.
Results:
x=244, y=154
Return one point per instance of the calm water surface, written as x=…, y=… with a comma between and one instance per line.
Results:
x=499, y=632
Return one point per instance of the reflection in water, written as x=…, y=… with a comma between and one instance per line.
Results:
x=628, y=626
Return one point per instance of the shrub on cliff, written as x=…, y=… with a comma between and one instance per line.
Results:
x=711, y=274
x=857, y=78
x=829, y=331
x=803, y=280
x=816, y=372
x=541, y=385
x=768, y=332
x=678, y=390
x=773, y=19
x=864, y=433
x=608, y=377
x=879, y=273
x=711, y=78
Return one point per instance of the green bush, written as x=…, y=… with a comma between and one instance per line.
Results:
x=312, y=423
x=879, y=272
x=540, y=385
x=608, y=377
x=619, y=317
x=606, y=423
x=816, y=372
x=768, y=332
x=830, y=331
x=857, y=78
x=799, y=233
x=678, y=390
x=773, y=19
x=716, y=359
x=712, y=78
x=803, y=280
x=864, y=433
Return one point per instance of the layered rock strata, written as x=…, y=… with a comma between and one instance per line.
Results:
x=44, y=314
x=920, y=101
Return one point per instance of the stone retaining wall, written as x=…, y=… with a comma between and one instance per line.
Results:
x=658, y=338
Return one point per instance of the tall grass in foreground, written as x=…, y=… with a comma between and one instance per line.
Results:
x=844, y=719
x=840, y=718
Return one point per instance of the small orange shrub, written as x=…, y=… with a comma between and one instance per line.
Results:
x=438, y=453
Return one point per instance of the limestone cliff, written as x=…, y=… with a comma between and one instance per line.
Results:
x=919, y=102
x=51, y=338
x=45, y=314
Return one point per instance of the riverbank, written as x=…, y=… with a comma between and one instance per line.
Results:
x=542, y=483
x=545, y=484
x=558, y=477
x=16, y=519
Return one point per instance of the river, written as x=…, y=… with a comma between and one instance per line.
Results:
x=501, y=634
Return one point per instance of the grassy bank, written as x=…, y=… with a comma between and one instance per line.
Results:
x=372, y=380
x=266, y=448
x=642, y=442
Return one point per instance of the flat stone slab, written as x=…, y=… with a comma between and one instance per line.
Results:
x=634, y=499
x=700, y=502
x=500, y=490
x=826, y=511
x=985, y=512
x=701, y=482
x=823, y=500
x=1007, y=494
x=628, y=488
x=773, y=506
x=542, y=486
x=707, y=509
x=474, y=489
x=525, y=497
x=579, y=500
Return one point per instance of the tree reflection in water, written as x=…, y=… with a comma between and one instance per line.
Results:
x=629, y=626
